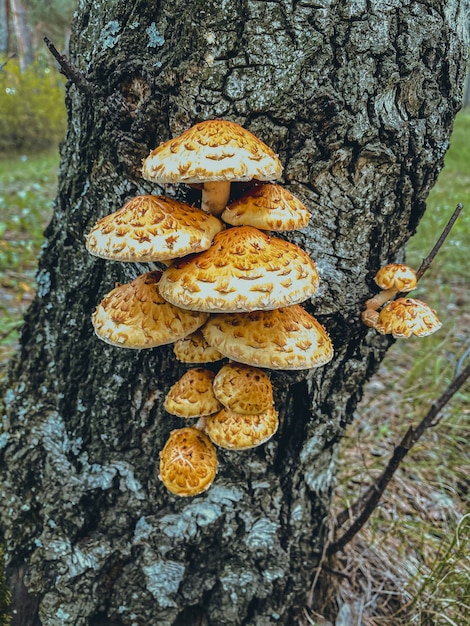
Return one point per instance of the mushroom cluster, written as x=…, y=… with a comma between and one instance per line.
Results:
x=230, y=290
x=404, y=316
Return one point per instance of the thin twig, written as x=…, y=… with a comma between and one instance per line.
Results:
x=437, y=246
x=374, y=493
x=69, y=70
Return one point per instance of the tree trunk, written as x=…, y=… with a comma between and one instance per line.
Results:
x=358, y=99
x=22, y=33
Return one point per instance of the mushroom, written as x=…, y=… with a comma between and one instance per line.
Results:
x=195, y=349
x=243, y=389
x=392, y=279
x=188, y=462
x=243, y=270
x=267, y=207
x=406, y=316
x=215, y=153
x=152, y=228
x=193, y=395
x=233, y=431
x=134, y=315
x=287, y=338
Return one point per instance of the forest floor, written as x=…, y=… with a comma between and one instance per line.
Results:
x=410, y=564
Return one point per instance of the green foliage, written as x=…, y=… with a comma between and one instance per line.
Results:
x=32, y=107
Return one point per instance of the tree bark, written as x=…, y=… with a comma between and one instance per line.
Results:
x=358, y=99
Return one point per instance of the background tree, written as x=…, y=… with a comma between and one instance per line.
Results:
x=358, y=100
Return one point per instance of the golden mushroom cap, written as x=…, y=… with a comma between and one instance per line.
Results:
x=188, y=462
x=193, y=395
x=287, y=338
x=243, y=389
x=134, y=315
x=233, y=431
x=243, y=270
x=407, y=316
x=215, y=150
x=267, y=207
x=396, y=276
x=195, y=349
x=152, y=228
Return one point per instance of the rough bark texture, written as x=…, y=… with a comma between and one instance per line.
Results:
x=358, y=99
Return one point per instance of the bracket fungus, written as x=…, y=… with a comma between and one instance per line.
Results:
x=288, y=338
x=188, y=462
x=193, y=395
x=234, y=431
x=134, y=315
x=214, y=153
x=245, y=269
x=152, y=228
x=267, y=207
x=407, y=316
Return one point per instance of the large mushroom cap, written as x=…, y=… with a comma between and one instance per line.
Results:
x=405, y=317
x=134, y=315
x=396, y=276
x=152, y=228
x=195, y=349
x=188, y=462
x=244, y=269
x=287, y=338
x=243, y=389
x=214, y=153
x=215, y=150
x=233, y=431
x=268, y=207
x=193, y=395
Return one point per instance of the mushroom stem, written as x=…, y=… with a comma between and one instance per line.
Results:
x=201, y=423
x=215, y=195
x=380, y=298
x=370, y=317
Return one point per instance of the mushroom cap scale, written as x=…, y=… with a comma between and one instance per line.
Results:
x=134, y=315
x=243, y=270
x=193, y=395
x=405, y=317
x=233, y=431
x=152, y=228
x=243, y=389
x=267, y=207
x=288, y=338
x=195, y=349
x=188, y=462
x=396, y=276
x=214, y=150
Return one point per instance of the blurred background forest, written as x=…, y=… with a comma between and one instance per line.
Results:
x=413, y=556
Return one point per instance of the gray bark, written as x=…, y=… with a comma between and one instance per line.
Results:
x=358, y=99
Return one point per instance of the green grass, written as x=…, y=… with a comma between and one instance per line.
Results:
x=28, y=186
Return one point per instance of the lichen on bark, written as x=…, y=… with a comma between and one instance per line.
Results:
x=358, y=100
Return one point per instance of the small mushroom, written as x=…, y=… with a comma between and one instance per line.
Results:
x=195, y=349
x=392, y=279
x=244, y=389
x=215, y=153
x=193, y=395
x=134, y=315
x=188, y=462
x=405, y=317
x=243, y=270
x=288, y=338
x=267, y=207
x=233, y=431
x=152, y=228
